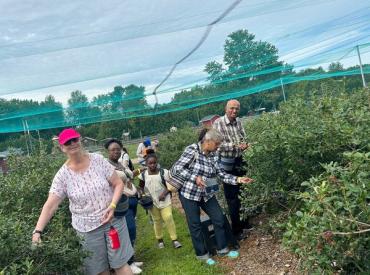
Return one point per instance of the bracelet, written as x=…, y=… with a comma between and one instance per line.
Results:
x=37, y=231
x=138, y=171
x=238, y=180
x=113, y=205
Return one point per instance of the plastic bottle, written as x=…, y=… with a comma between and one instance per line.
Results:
x=114, y=238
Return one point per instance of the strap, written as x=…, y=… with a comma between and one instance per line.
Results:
x=161, y=172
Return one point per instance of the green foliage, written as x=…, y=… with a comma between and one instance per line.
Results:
x=23, y=192
x=289, y=147
x=173, y=144
x=331, y=230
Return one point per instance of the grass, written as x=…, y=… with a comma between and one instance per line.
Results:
x=168, y=260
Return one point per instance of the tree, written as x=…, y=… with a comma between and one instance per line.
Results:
x=335, y=67
x=80, y=111
x=244, y=54
x=214, y=70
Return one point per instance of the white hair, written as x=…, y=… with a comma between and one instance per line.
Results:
x=214, y=135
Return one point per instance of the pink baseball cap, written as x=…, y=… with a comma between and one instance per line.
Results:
x=68, y=134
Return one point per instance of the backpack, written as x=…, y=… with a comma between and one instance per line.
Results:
x=130, y=164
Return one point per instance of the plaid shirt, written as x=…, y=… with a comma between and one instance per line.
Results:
x=192, y=163
x=233, y=133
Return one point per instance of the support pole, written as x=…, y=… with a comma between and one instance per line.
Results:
x=282, y=88
x=362, y=72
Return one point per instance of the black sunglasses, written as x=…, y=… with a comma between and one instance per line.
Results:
x=69, y=142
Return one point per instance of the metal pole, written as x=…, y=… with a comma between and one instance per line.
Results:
x=282, y=88
x=38, y=132
x=29, y=135
x=362, y=72
x=25, y=136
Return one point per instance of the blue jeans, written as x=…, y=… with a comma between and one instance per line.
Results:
x=213, y=210
x=130, y=218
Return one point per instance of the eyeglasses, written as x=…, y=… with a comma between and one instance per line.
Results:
x=69, y=142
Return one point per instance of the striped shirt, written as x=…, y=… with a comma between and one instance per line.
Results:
x=233, y=133
x=89, y=192
x=192, y=163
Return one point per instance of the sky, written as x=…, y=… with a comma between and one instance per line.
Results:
x=56, y=47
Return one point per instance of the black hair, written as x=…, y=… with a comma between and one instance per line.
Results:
x=112, y=140
x=124, y=150
x=202, y=134
x=150, y=154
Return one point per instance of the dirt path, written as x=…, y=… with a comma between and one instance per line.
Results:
x=259, y=253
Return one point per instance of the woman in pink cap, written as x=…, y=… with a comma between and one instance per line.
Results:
x=93, y=189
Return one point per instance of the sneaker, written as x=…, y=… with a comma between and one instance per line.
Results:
x=135, y=269
x=160, y=245
x=138, y=264
x=233, y=254
x=210, y=261
x=176, y=244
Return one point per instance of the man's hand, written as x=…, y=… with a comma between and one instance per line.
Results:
x=243, y=146
x=108, y=215
x=245, y=180
x=199, y=181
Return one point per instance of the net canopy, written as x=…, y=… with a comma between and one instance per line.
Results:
x=71, y=45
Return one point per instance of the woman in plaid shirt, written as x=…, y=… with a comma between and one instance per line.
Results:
x=199, y=167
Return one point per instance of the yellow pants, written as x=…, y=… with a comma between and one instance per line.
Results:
x=164, y=214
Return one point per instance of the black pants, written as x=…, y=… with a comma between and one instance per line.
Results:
x=214, y=212
x=232, y=198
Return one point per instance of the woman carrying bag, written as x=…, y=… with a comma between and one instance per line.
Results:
x=195, y=174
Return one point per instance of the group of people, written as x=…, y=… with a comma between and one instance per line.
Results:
x=97, y=188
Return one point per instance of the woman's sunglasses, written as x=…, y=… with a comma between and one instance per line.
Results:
x=69, y=142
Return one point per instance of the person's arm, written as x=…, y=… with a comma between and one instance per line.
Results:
x=225, y=177
x=48, y=210
x=228, y=178
x=139, y=151
x=125, y=160
x=182, y=165
x=117, y=185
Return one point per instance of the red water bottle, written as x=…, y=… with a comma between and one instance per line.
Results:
x=114, y=238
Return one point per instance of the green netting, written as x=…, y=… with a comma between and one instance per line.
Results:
x=91, y=115
x=24, y=67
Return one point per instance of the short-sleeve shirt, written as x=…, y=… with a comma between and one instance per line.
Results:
x=89, y=192
x=154, y=187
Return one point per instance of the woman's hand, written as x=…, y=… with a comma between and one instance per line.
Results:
x=200, y=183
x=163, y=196
x=245, y=180
x=129, y=184
x=36, y=238
x=108, y=215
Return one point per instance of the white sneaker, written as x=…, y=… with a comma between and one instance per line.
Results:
x=138, y=264
x=161, y=245
x=135, y=269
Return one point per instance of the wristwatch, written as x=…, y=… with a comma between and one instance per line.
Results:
x=36, y=231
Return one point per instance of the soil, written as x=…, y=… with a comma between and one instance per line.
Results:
x=260, y=253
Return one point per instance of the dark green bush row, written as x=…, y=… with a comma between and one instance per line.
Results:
x=23, y=192
x=331, y=232
x=292, y=147
x=173, y=144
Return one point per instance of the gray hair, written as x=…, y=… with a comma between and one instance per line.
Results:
x=214, y=135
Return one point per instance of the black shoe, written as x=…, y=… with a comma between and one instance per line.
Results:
x=242, y=236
